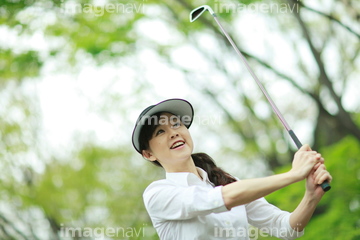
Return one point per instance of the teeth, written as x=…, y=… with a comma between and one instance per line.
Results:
x=177, y=144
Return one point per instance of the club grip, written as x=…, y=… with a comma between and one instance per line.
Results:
x=325, y=185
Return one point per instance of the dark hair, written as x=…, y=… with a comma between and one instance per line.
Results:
x=216, y=175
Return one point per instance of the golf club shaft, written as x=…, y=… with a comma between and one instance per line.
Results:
x=325, y=185
x=273, y=106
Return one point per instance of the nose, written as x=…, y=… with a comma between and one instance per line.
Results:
x=173, y=134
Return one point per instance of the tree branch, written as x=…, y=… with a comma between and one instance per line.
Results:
x=331, y=18
x=343, y=116
x=6, y=221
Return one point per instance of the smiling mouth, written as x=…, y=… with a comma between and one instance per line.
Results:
x=177, y=144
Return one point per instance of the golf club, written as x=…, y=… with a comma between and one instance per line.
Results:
x=195, y=14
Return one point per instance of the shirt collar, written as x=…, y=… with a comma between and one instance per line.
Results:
x=189, y=179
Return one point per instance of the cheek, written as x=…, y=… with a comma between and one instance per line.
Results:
x=191, y=143
x=189, y=139
x=155, y=144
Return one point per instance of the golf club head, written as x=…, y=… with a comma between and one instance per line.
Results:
x=196, y=13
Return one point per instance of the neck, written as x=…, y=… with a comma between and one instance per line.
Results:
x=188, y=166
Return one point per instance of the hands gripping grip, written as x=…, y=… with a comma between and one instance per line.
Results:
x=325, y=185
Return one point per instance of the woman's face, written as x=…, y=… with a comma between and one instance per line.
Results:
x=171, y=143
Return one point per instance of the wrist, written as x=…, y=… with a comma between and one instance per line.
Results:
x=295, y=176
x=311, y=197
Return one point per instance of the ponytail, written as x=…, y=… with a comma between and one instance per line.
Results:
x=216, y=175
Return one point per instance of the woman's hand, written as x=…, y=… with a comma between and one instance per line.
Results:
x=310, y=165
x=304, y=162
x=314, y=170
x=316, y=177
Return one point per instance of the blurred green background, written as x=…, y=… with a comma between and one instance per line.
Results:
x=75, y=74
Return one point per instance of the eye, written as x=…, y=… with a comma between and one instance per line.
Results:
x=159, y=132
x=176, y=125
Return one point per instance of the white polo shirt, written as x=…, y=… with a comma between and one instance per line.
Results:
x=184, y=207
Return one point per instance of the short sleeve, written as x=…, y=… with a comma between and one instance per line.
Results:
x=166, y=201
x=271, y=220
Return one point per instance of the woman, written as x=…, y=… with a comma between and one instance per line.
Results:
x=198, y=200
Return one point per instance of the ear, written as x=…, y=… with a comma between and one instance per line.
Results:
x=148, y=155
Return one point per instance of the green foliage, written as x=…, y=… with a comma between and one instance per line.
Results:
x=82, y=30
x=98, y=188
x=18, y=66
x=9, y=9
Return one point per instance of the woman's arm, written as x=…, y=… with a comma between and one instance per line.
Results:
x=245, y=191
x=304, y=211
